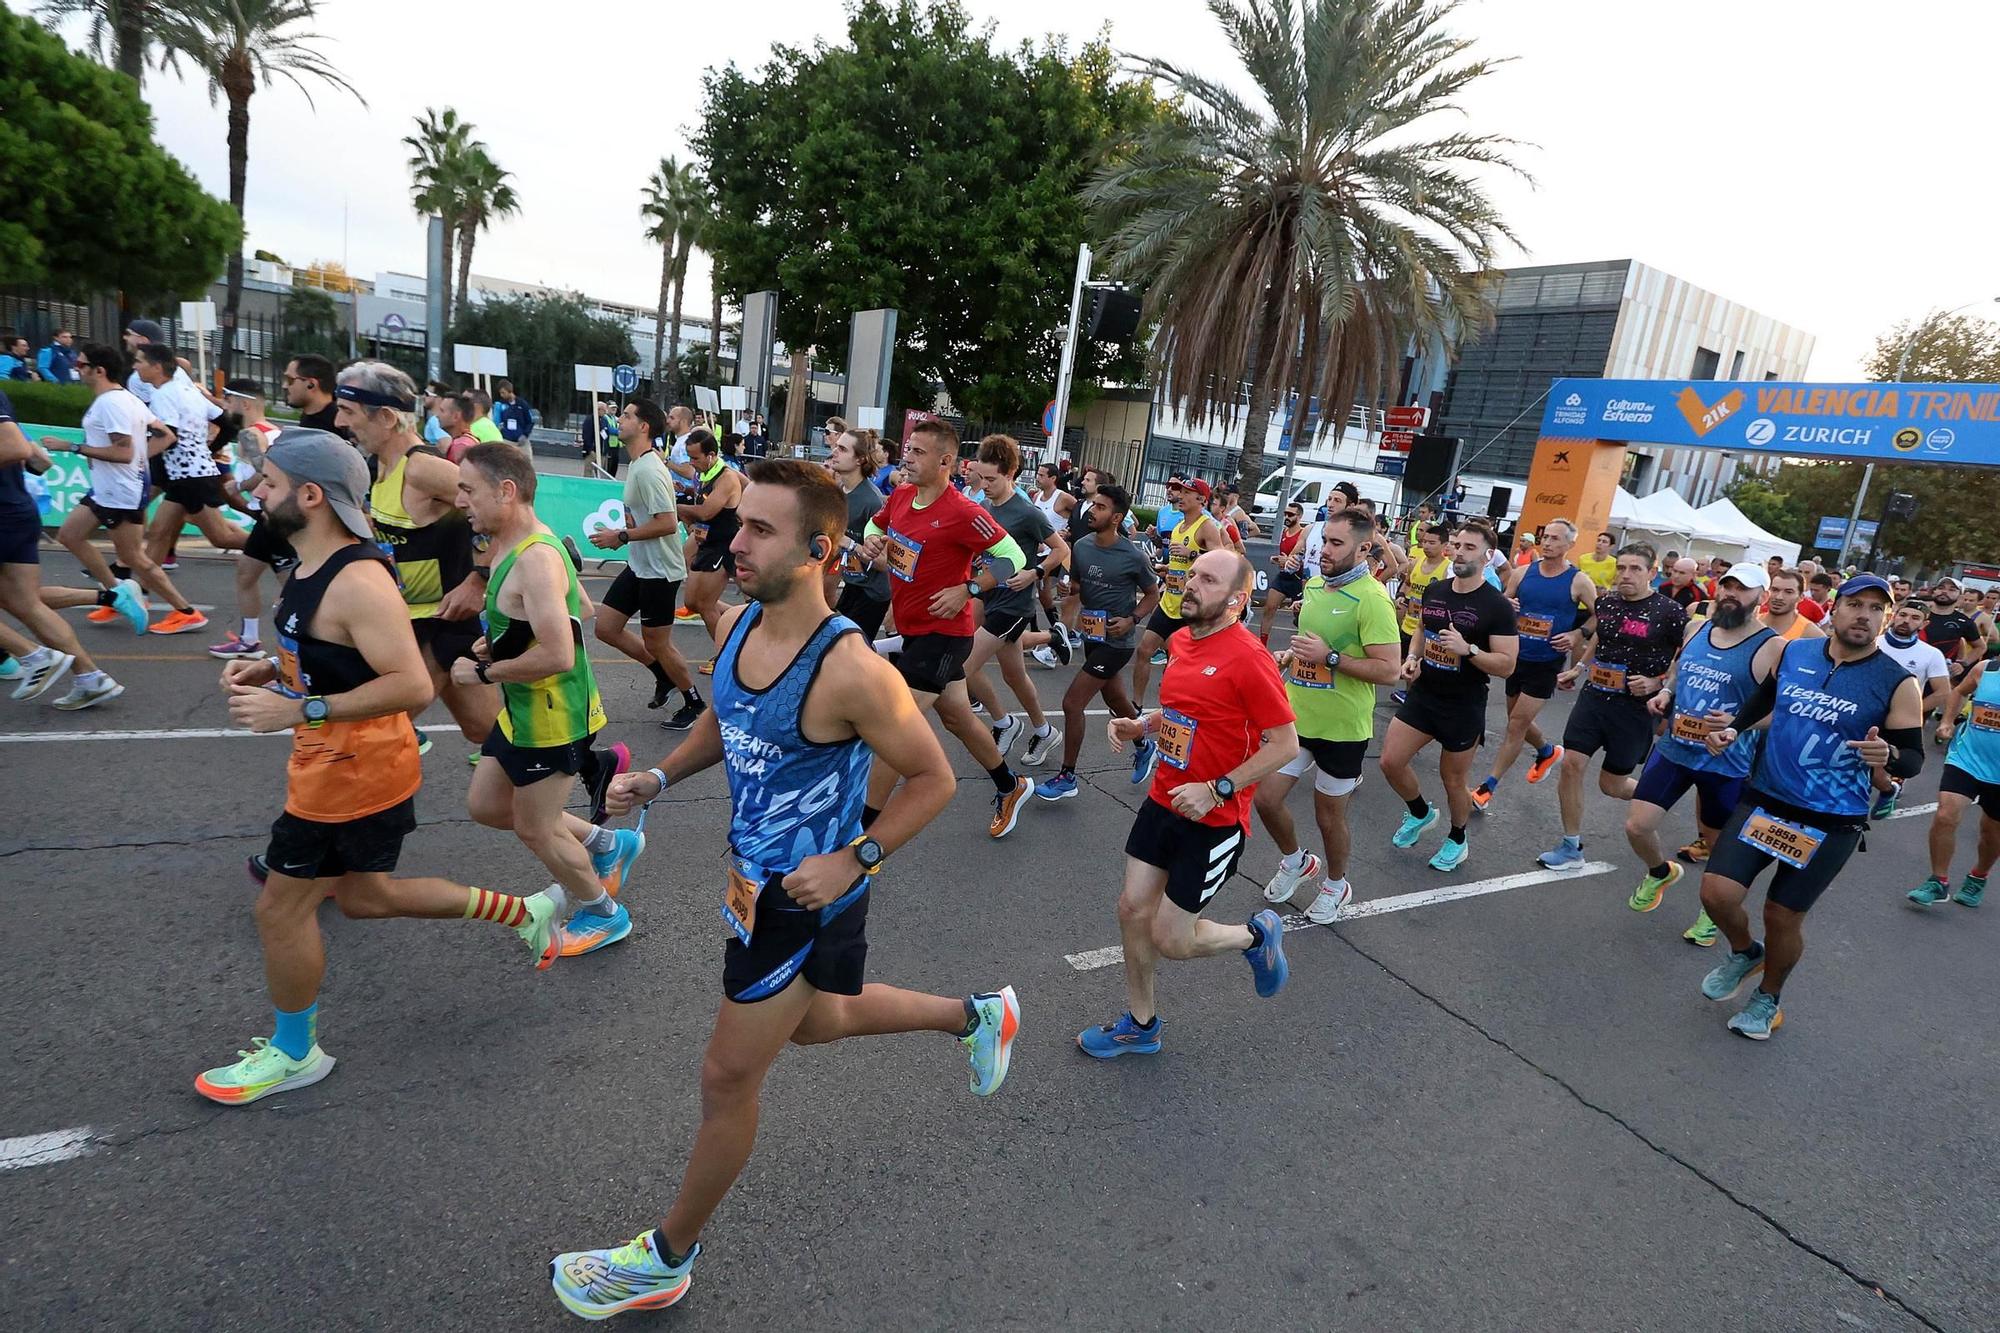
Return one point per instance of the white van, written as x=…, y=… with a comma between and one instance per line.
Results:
x=1311, y=484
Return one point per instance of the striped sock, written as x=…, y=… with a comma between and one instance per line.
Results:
x=486, y=905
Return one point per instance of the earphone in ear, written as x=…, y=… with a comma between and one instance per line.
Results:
x=821, y=548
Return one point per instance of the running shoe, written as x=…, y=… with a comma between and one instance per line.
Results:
x=612, y=867
x=978, y=708
x=1695, y=853
x=1123, y=1037
x=574, y=552
x=1040, y=746
x=424, y=744
x=687, y=613
x=1759, y=1018
x=235, y=647
x=1450, y=855
x=181, y=622
x=1058, y=788
x=1267, y=956
x=663, y=690
x=10, y=668
x=1059, y=644
x=587, y=932
x=1482, y=796
x=991, y=1046
x=1007, y=806
x=1929, y=893
x=1970, y=892
x=261, y=1071
x=1562, y=856
x=170, y=564
x=1540, y=768
x=686, y=715
x=1413, y=827
x=708, y=667
x=1326, y=905
x=1729, y=975
x=1647, y=896
x=85, y=696
x=1144, y=755
x=1005, y=732
x=36, y=681
x=599, y=785
x=104, y=615
x=1702, y=933
x=1285, y=883
x=597, y=1284
x=1160, y=658
x=257, y=867
x=127, y=601
x=539, y=932
x=1046, y=656
x=1887, y=805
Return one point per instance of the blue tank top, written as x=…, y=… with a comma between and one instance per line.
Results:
x=793, y=797
x=1975, y=746
x=1805, y=761
x=1546, y=609
x=1710, y=678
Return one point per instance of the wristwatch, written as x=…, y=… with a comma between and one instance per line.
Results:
x=1224, y=788
x=972, y=587
x=480, y=671
x=315, y=711
x=870, y=854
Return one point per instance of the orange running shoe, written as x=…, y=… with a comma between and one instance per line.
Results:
x=708, y=667
x=1482, y=796
x=685, y=614
x=103, y=615
x=1541, y=767
x=180, y=622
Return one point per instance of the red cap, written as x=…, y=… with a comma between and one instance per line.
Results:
x=1199, y=487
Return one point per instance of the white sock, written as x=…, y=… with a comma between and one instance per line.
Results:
x=601, y=905
x=249, y=631
x=600, y=839
x=1336, y=887
x=90, y=680
x=35, y=660
x=1296, y=861
x=1046, y=729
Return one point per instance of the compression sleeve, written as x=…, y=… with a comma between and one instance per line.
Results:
x=873, y=529
x=1758, y=706
x=1909, y=757
x=1004, y=558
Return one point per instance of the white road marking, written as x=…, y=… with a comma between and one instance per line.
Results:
x=180, y=734
x=44, y=1149
x=1910, y=810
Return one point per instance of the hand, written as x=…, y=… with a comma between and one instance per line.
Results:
x=1022, y=579
x=1564, y=643
x=1119, y=626
x=1192, y=800
x=950, y=601
x=56, y=444
x=1566, y=680
x=1642, y=685
x=1871, y=749
x=1310, y=649
x=252, y=671
x=629, y=791
x=605, y=539
x=1514, y=602
x=1452, y=641
x=1945, y=727
x=871, y=549
x=465, y=601
x=465, y=671
x=1410, y=668
x=263, y=710
x=821, y=879
x=1718, y=741
x=1121, y=729
x=1657, y=705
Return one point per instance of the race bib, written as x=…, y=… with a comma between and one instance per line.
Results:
x=1312, y=675
x=739, y=898
x=1095, y=625
x=1986, y=717
x=1692, y=729
x=903, y=555
x=698, y=531
x=1175, y=737
x=1439, y=656
x=1794, y=844
x=1610, y=678
x=1176, y=582
x=1534, y=627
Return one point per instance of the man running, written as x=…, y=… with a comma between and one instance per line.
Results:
x=1347, y=644
x=347, y=675
x=1952, y=630
x=1288, y=579
x=1971, y=774
x=1708, y=682
x=711, y=520
x=1059, y=507
x=1926, y=663
x=261, y=551
x=1781, y=614
x=1193, y=534
x=853, y=458
x=1552, y=600
x=1115, y=584
x=655, y=565
x=1010, y=608
x=930, y=535
x=1222, y=726
x=1841, y=715
x=1467, y=637
x=801, y=705
x=191, y=480
x=550, y=709
x=1431, y=563
x=1602, y=563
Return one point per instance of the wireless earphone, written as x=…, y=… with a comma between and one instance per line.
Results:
x=821, y=547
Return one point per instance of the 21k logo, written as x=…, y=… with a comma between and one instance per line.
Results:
x=1702, y=416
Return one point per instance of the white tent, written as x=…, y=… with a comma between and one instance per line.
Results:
x=1758, y=545
x=1665, y=519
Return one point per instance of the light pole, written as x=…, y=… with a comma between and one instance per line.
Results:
x=1868, y=472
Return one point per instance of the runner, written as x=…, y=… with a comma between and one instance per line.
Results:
x=1683, y=585
x=1841, y=715
x=1431, y=563
x=1194, y=533
x=260, y=551
x=550, y=710
x=190, y=481
x=655, y=565
x=1927, y=664
x=1091, y=480
x=711, y=524
x=1223, y=725
x=1010, y=608
x=1116, y=585
x=1288, y=583
x=1467, y=637
x=1952, y=630
x=1971, y=774
x=853, y=457
x=347, y=676
x=1638, y=631
x=1059, y=507
x=1552, y=612
x=930, y=534
x=1781, y=613
x=796, y=896
x=1714, y=674
x=1347, y=644
x=1602, y=563
x=309, y=384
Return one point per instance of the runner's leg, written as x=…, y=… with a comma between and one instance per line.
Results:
x=1145, y=893
x=21, y=596
x=1399, y=746
x=878, y=1011
x=1083, y=687
x=1277, y=820
x=1723, y=899
x=78, y=526
x=1331, y=814
x=1784, y=944
x=1455, y=767
x=1944, y=832
x=127, y=543
x=1014, y=670
x=1642, y=830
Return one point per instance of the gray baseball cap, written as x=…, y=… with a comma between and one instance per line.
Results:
x=147, y=329
x=333, y=465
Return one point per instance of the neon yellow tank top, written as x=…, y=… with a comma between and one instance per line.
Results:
x=1180, y=540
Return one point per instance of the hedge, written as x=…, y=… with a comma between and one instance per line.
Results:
x=44, y=404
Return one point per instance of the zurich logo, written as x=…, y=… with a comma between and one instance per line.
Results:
x=1574, y=400
x=1761, y=431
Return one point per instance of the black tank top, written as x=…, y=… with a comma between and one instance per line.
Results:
x=310, y=665
x=722, y=527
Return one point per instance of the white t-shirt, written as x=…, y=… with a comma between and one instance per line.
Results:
x=1920, y=659
x=251, y=444
x=187, y=413
x=117, y=485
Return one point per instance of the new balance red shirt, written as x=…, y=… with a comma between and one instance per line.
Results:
x=1218, y=696
x=931, y=549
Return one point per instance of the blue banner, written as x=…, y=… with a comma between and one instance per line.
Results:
x=1832, y=529
x=1909, y=423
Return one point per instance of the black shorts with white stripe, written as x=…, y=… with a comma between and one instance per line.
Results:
x=1198, y=858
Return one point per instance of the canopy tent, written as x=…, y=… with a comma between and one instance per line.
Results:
x=1667, y=521
x=1758, y=545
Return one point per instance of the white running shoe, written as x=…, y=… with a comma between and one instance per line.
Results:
x=80, y=696
x=36, y=680
x=1046, y=656
x=1326, y=907
x=1286, y=882
x=1006, y=731
x=1039, y=747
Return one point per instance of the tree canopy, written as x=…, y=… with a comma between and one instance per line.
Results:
x=92, y=201
x=546, y=337
x=918, y=166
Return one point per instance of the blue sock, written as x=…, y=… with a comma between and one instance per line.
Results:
x=297, y=1032
x=1576, y=842
x=1544, y=752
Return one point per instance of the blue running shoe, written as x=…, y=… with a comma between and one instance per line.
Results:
x=1267, y=955
x=991, y=1045
x=1058, y=788
x=1730, y=974
x=587, y=932
x=1144, y=755
x=1562, y=856
x=600, y=1283
x=10, y=669
x=1123, y=1037
x=129, y=602
x=613, y=866
x=1413, y=827
x=1450, y=855
x=1886, y=804
x=1759, y=1018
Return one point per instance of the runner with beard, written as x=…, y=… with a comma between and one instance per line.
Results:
x=1288, y=579
x=1927, y=664
x=1971, y=775
x=1952, y=630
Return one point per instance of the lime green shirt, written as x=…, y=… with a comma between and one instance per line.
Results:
x=1331, y=705
x=555, y=710
x=484, y=431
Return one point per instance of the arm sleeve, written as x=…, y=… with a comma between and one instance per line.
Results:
x=874, y=528
x=1006, y=548
x=1909, y=743
x=1759, y=705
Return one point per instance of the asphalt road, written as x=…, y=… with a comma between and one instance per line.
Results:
x=1511, y=1111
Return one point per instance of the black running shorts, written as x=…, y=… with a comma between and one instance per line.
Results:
x=1455, y=724
x=1791, y=886
x=448, y=640
x=863, y=610
x=1961, y=783
x=789, y=942
x=1198, y=858
x=1619, y=724
x=931, y=662
x=195, y=494
x=652, y=599
x=1537, y=680
x=526, y=765
x=314, y=849
x=1104, y=660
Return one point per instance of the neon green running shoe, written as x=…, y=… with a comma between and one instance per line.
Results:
x=261, y=1071
x=1702, y=933
x=539, y=932
x=1929, y=893
x=1647, y=896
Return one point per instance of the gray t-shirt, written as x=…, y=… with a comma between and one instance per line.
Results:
x=649, y=491
x=1029, y=527
x=1111, y=580
x=862, y=503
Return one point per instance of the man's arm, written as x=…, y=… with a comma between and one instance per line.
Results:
x=727, y=488
x=364, y=603
x=1499, y=656
x=539, y=573
x=434, y=475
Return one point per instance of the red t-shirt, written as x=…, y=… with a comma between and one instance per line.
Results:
x=931, y=549
x=1218, y=696
x=1811, y=610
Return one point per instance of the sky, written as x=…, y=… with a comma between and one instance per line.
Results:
x=1823, y=170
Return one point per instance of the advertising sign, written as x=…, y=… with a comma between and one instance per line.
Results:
x=1833, y=528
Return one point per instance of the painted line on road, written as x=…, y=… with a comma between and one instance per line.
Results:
x=163, y=734
x=1912, y=810
x=45, y=1149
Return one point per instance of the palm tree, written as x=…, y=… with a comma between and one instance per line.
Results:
x=240, y=44
x=485, y=195
x=1297, y=240
x=674, y=206
x=121, y=26
x=437, y=175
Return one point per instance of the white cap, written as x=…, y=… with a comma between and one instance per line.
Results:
x=1749, y=575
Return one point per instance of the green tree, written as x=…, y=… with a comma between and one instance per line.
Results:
x=675, y=208
x=1294, y=242
x=921, y=167
x=92, y=201
x=437, y=175
x=313, y=324
x=546, y=337
x=122, y=28
x=484, y=196
x=238, y=45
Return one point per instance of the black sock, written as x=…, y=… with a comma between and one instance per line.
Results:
x=692, y=695
x=971, y=1018
x=666, y=1251
x=1003, y=777
x=659, y=676
x=869, y=814
x=1660, y=871
x=1420, y=807
x=105, y=597
x=1067, y=771
x=1756, y=949
x=1148, y=1025
x=1457, y=833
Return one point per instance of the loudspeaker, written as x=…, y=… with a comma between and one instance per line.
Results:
x=1902, y=507
x=1498, y=503
x=1114, y=315
x=1432, y=463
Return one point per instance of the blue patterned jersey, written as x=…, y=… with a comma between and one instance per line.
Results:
x=1822, y=705
x=1706, y=679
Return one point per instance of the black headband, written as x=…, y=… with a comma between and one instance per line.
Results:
x=370, y=398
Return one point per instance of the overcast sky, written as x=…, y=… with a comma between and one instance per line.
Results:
x=1827, y=171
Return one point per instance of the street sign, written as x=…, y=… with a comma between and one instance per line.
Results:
x=1391, y=466
x=469, y=359
x=1832, y=530
x=1398, y=441
x=1407, y=418
x=1982, y=572
x=197, y=317
x=1049, y=418
x=624, y=379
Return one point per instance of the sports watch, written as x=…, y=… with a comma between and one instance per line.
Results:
x=972, y=587
x=1224, y=788
x=315, y=711
x=870, y=854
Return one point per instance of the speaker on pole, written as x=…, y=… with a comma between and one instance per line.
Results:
x=1432, y=463
x=1499, y=502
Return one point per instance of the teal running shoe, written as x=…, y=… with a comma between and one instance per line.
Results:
x=129, y=602
x=10, y=668
x=597, y=1284
x=587, y=932
x=1450, y=855
x=991, y=1045
x=1759, y=1018
x=1970, y=891
x=1413, y=827
x=1730, y=975
x=1929, y=893
x=612, y=867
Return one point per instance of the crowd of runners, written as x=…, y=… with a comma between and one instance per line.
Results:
x=1789, y=701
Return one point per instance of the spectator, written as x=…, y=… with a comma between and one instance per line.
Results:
x=484, y=428
x=14, y=363
x=57, y=361
x=1457, y=495
x=732, y=450
x=454, y=417
x=512, y=415
x=756, y=439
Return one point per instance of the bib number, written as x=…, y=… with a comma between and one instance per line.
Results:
x=1610, y=678
x=1439, y=656
x=903, y=555
x=1692, y=729
x=1794, y=844
x=698, y=531
x=1176, y=582
x=1534, y=627
x=1096, y=625
x=739, y=898
x=1986, y=717
x=1175, y=738
x=1312, y=675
